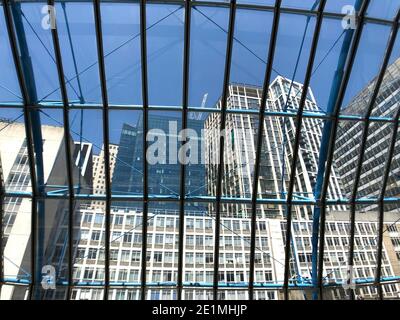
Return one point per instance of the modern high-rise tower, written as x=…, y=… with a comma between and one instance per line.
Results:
x=378, y=141
x=163, y=177
x=276, y=153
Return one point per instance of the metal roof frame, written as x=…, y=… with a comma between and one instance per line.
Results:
x=38, y=195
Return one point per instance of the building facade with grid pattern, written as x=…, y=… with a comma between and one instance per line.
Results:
x=375, y=155
x=276, y=155
x=17, y=220
x=162, y=255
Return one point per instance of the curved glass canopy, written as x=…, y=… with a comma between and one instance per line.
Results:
x=200, y=149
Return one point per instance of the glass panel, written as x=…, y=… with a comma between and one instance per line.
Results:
x=199, y=154
x=392, y=186
x=365, y=259
x=269, y=251
x=86, y=132
x=19, y=292
x=265, y=294
x=16, y=234
x=39, y=45
x=301, y=252
x=89, y=239
x=239, y=155
x=345, y=157
x=162, y=153
x=249, y=54
x=308, y=4
x=327, y=60
x=197, y=294
x=9, y=88
x=339, y=6
x=292, y=50
x=13, y=151
x=390, y=268
x=54, y=156
x=76, y=32
x=375, y=157
x=199, y=247
x=273, y=162
x=259, y=2
x=198, y=167
x=121, y=41
x=234, y=254
x=125, y=246
x=52, y=249
x=294, y=273
x=389, y=91
x=161, y=267
x=336, y=246
x=124, y=294
x=384, y=9
x=366, y=66
x=165, y=52
x=87, y=294
x=207, y=48
x=125, y=152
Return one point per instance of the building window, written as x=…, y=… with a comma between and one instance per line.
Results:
x=157, y=256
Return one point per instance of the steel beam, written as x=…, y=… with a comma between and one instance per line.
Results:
x=104, y=95
x=185, y=102
x=228, y=58
x=264, y=98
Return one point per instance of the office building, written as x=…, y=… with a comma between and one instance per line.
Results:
x=52, y=213
x=198, y=265
x=379, y=133
x=276, y=152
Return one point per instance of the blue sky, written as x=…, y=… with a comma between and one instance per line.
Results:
x=165, y=55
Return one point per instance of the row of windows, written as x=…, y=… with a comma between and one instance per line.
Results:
x=172, y=238
x=168, y=294
x=127, y=256
x=171, y=222
x=126, y=275
x=341, y=227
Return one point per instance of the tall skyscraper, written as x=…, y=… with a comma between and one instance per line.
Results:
x=379, y=133
x=276, y=154
x=125, y=172
x=164, y=176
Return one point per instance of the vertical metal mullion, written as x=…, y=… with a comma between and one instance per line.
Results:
x=143, y=52
x=264, y=97
x=385, y=179
x=229, y=46
x=103, y=82
x=364, y=137
x=67, y=141
x=296, y=143
x=388, y=163
x=332, y=138
x=184, y=126
x=29, y=136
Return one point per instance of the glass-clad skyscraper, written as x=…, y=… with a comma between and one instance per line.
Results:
x=164, y=171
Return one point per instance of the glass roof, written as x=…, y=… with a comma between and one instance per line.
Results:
x=292, y=112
